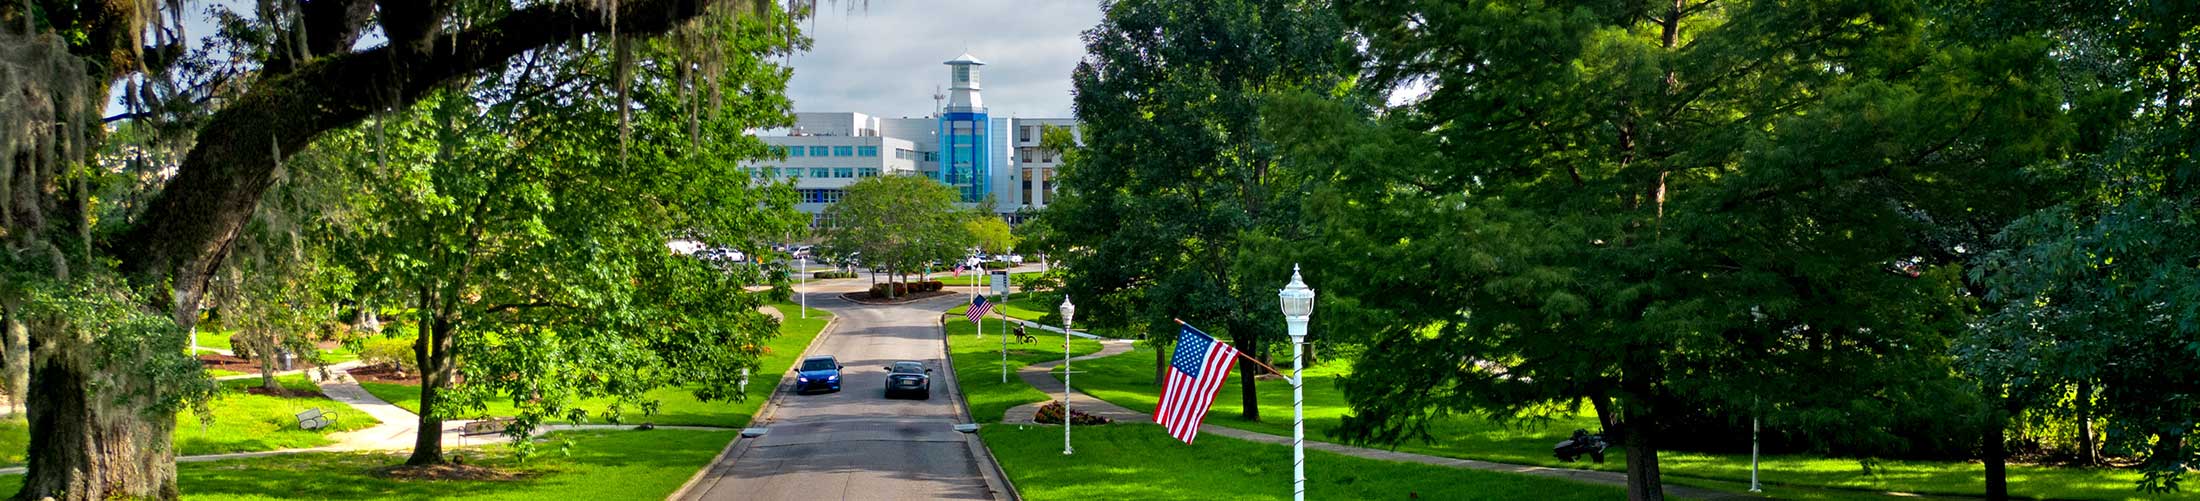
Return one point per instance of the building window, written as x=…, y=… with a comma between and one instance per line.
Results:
x=820, y=173
x=820, y=196
x=931, y=156
x=793, y=151
x=817, y=151
x=1025, y=153
x=844, y=172
x=866, y=151
x=867, y=172
x=844, y=151
x=1028, y=135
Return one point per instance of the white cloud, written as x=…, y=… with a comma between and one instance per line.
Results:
x=883, y=57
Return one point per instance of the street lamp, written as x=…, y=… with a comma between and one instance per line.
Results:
x=1298, y=307
x=1068, y=311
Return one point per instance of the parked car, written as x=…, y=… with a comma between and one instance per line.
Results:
x=817, y=374
x=909, y=378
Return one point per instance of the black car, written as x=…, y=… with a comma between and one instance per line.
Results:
x=908, y=378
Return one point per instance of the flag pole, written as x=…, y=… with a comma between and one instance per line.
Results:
x=1241, y=353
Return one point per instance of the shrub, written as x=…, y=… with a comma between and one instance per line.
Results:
x=899, y=289
x=823, y=275
x=1051, y=413
x=388, y=350
x=995, y=265
x=931, y=286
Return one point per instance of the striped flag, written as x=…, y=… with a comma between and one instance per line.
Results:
x=1200, y=365
x=978, y=307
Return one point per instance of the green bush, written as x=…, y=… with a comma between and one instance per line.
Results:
x=996, y=265
x=823, y=275
x=389, y=350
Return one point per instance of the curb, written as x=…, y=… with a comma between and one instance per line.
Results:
x=990, y=467
x=740, y=445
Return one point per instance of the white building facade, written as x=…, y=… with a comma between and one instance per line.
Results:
x=962, y=145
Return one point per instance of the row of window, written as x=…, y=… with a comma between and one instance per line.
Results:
x=822, y=151
x=1045, y=155
x=815, y=172
x=820, y=195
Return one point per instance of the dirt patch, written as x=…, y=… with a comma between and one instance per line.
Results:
x=230, y=363
x=385, y=373
x=449, y=471
x=866, y=298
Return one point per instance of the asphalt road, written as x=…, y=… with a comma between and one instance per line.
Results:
x=857, y=444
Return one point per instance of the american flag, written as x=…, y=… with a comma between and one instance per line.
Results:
x=978, y=307
x=1200, y=365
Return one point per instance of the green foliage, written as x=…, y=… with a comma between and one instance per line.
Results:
x=528, y=224
x=1175, y=206
x=898, y=223
x=1679, y=215
x=390, y=351
x=991, y=233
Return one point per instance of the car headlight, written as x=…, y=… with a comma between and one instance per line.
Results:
x=800, y=379
x=834, y=377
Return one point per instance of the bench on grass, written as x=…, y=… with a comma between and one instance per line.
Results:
x=485, y=426
x=314, y=419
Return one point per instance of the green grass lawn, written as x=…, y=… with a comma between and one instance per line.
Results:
x=677, y=406
x=603, y=465
x=215, y=338
x=1139, y=461
x=242, y=423
x=978, y=365
x=1127, y=380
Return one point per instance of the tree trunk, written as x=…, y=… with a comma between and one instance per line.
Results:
x=1996, y=450
x=1160, y=364
x=2089, y=452
x=1247, y=388
x=15, y=358
x=85, y=445
x=432, y=350
x=1644, y=482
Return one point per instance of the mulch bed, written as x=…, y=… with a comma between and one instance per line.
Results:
x=384, y=373
x=449, y=471
x=866, y=298
x=229, y=363
x=285, y=392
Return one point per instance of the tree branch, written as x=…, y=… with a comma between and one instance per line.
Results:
x=187, y=228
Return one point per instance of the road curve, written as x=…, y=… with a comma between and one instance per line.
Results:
x=856, y=444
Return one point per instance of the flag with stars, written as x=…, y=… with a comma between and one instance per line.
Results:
x=1200, y=366
x=978, y=308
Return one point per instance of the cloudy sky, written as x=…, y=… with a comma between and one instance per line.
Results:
x=884, y=58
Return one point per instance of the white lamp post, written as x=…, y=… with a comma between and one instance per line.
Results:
x=1298, y=307
x=1068, y=310
x=803, y=286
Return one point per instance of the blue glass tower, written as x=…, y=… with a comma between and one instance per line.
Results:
x=965, y=138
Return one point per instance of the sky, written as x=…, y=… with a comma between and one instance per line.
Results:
x=882, y=57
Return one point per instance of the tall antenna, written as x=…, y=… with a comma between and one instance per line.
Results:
x=937, y=98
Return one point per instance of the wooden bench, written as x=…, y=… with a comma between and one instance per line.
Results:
x=314, y=419
x=485, y=426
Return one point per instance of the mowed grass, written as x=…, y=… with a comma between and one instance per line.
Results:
x=1127, y=380
x=1139, y=461
x=677, y=405
x=601, y=465
x=242, y=422
x=978, y=365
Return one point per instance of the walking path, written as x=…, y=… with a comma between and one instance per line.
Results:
x=1039, y=375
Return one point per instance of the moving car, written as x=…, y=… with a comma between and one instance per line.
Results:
x=817, y=374
x=908, y=378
